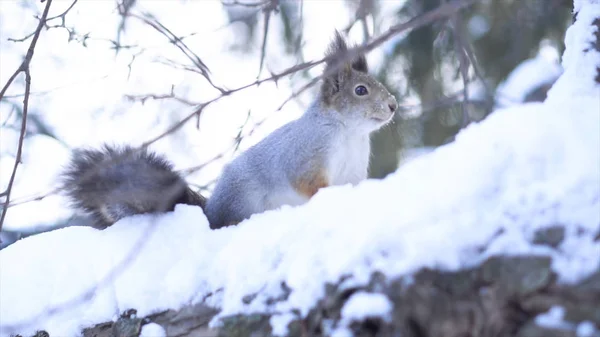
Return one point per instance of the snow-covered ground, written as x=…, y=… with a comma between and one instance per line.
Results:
x=531, y=74
x=524, y=168
x=362, y=305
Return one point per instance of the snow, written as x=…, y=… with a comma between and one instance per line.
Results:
x=153, y=330
x=527, y=76
x=362, y=305
x=553, y=319
x=279, y=323
x=524, y=168
x=585, y=329
x=478, y=26
x=342, y=332
x=579, y=66
x=359, y=306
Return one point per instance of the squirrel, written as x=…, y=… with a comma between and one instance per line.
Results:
x=328, y=145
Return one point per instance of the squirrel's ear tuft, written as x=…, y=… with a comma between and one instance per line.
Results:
x=335, y=53
x=337, y=71
x=336, y=46
x=339, y=47
x=360, y=64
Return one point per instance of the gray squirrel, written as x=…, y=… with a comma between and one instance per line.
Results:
x=328, y=145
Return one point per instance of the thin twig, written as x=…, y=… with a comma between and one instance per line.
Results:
x=463, y=65
x=268, y=10
x=245, y=4
x=473, y=60
x=28, y=199
x=9, y=82
x=157, y=97
x=177, y=41
x=61, y=16
x=443, y=11
x=12, y=111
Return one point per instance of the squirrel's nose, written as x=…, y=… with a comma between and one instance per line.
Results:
x=393, y=106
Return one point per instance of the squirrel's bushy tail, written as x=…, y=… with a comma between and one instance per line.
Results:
x=115, y=182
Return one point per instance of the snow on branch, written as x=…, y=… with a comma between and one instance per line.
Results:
x=581, y=59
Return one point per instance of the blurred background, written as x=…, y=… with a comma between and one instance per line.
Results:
x=127, y=71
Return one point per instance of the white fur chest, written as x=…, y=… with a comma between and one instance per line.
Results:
x=349, y=159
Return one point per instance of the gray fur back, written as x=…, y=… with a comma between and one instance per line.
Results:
x=259, y=179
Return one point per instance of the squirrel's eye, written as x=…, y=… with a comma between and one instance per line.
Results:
x=361, y=90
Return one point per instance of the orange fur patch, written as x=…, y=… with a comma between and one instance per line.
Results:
x=106, y=214
x=311, y=182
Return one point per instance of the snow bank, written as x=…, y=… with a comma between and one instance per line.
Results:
x=554, y=319
x=359, y=306
x=580, y=61
x=522, y=169
x=527, y=77
x=362, y=304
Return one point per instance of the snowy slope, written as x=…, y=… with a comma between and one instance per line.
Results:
x=524, y=168
x=525, y=78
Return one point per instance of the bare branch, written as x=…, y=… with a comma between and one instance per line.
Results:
x=178, y=42
x=245, y=4
x=24, y=38
x=267, y=10
x=466, y=56
x=123, y=8
x=45, y=22
x=363, y=10
x=463, y=61
x=10, y=80
x=24, y=67
x=158, y=97
x=466, y=44
x=29, y=199
x=63, y=14
x=444, y=11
